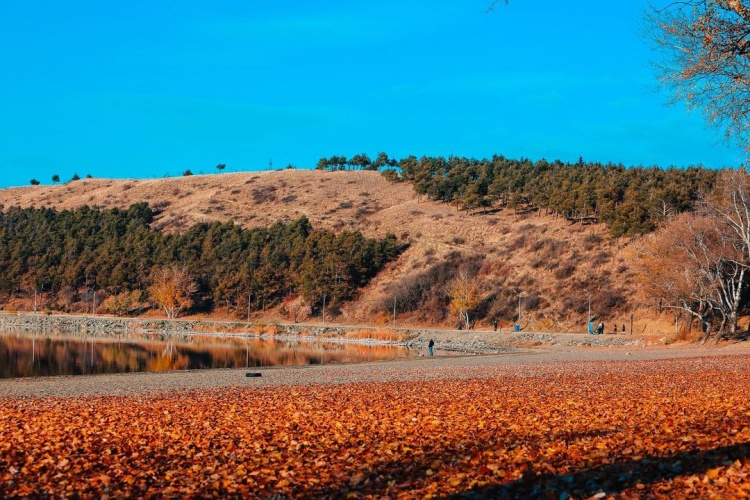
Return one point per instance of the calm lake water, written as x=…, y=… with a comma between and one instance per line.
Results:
x=28, y=354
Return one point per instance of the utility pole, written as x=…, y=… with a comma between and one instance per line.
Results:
x=519, y=308
x=394, y=311
x=248, y=307
x=324, y=308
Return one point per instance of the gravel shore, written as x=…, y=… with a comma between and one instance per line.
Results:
x=542, y=361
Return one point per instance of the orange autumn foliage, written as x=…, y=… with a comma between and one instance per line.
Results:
x=645, y=429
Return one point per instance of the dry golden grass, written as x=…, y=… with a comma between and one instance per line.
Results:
x=388, y=335
x=266, y=330
x=553, y=261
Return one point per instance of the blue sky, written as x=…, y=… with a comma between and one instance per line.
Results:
x=148, y=89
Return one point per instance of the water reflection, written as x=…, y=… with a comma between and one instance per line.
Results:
x=45, y=354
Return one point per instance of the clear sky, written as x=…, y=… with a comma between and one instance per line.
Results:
x=151, y=88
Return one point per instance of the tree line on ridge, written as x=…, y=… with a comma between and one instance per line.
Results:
x=629, y=201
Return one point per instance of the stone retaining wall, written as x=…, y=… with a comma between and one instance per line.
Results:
x=462, y=341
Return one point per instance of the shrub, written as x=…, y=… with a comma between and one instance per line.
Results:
x=264, y=194
x=532, y=302
x=575, y=304
x=517, y=244
x=536, y=263
x=601, y=258
x=565, y=271
x=608, y=298
x=591, y=240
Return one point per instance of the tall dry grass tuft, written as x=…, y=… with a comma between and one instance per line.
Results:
x=266, y=330
x=387, y=335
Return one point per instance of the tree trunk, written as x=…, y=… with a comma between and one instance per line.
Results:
x=706, y=331
x=720, y=332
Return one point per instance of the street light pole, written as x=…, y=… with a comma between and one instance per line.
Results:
x=394, y=311
x=519, y=308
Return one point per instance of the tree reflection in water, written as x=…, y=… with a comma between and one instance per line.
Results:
x=28, y=354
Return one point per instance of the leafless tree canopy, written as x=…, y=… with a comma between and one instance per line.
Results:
x=706, y=59
x=699, y=263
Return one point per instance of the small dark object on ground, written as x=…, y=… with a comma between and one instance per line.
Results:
x=253, y=374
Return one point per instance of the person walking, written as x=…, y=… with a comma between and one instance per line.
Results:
x=430, y=345
x=494, y=325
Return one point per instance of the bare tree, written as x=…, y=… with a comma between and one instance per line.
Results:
x=706, y=59
x=660, y=265
x=699, y=263
x=729, y=208
x=687, y=266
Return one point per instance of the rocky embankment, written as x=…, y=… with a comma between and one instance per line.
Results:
x=472, y=341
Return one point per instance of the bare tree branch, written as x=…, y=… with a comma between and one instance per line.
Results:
x=494, y=4
x=705, y=46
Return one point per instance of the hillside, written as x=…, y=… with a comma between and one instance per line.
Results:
x=554, y=264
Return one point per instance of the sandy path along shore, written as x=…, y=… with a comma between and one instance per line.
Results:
x=530, y=362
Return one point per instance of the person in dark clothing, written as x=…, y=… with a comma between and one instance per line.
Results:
x=623, y=328
x=430, y=346
x=600, y=328
x=494, y=325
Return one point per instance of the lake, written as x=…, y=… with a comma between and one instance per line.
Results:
x=30, y=354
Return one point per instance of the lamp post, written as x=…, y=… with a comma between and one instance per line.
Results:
x=394, y=311
x=588, y=320
x=518, y=292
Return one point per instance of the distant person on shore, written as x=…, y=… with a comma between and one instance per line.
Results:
x=494, y=325
x=460, y=326
x=430, y=346
x=615, y=330
x=600, y=328
x=623, y=328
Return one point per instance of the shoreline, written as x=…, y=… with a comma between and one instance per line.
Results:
x=603, y=362
x=460, y=341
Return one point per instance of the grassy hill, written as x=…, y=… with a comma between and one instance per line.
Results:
x=554, y=265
